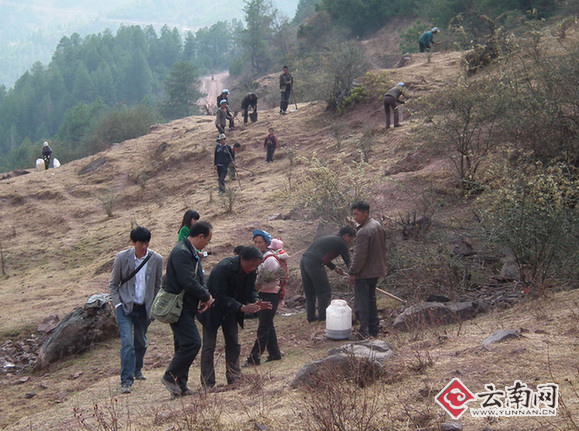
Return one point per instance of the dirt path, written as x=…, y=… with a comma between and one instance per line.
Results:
x=211, y=87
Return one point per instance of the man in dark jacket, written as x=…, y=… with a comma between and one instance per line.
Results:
x=185, y=272
x=232, y=284
x=224, y=155
x=314, y=278
x=249, y=101
x=286, y=85
x=391, y=102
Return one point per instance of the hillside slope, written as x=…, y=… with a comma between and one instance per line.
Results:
x=55, y=233
x=58, y=245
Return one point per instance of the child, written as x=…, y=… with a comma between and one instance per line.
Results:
x=270, y=144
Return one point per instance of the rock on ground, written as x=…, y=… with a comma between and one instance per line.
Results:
x=499, y=337
x=79, y=331
x=362, y=362
x=434, y=313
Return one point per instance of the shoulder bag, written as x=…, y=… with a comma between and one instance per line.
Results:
x=167, y=307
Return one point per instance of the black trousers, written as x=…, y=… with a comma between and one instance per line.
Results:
x=232, y=351
x=221, y=174
x=187, y=344
x=246, y=113
x=365, y=306
x=390, y=104
x=285, y=95
x=269, y=154
x=266, y=336
x=316, y=286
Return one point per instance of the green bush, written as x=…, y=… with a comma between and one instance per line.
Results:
x=119, y=125
x=536, y=218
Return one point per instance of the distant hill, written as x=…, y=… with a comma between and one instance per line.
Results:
x=30, y=31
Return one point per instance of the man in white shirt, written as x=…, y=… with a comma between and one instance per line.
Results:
x=132, y=294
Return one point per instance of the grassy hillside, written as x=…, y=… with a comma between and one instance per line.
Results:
x=58, y=243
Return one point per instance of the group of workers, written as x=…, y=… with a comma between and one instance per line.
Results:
x=251, y=281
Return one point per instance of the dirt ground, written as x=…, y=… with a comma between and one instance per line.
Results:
x=57, y=244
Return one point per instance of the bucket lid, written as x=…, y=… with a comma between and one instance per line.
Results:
x=339, y=302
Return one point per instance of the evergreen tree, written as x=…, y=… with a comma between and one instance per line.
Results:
x=259, y=17
x=181, y=90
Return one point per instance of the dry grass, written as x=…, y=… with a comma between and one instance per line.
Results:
x=402, y=400
x=57, y=242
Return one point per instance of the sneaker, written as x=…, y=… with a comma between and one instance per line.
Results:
x=126, y=388
x=139, y=376
x=171, y=386
x=280, y=112
x=270, y=359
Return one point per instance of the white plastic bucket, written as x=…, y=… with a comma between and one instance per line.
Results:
x=338, y=320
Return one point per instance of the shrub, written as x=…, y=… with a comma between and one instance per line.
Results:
x=462, y=124
x=536, y=218
x=342, y=404
x=119, y=125
x=329, y=189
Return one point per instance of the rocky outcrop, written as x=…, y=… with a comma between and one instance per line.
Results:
x=79, y=331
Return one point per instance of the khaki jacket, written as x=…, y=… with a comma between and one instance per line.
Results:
x=369, y=260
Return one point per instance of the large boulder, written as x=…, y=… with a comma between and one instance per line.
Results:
x=361, y=361
x=79, y=331
x=434, y=313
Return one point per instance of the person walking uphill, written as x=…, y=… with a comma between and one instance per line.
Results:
x=286, y=85
x=368, y=265
x=46, y=155
x=426, y=39
x=134, y=282
x=232, y=283
x=222, y=116
x=225, y=96
x=185, y=273
x=314, y=278
x=271, y=277
x=391, y=102
x=224, y=155
x=270, y=144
